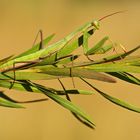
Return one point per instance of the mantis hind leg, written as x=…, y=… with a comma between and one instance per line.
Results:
x=27, y=62
x=40, y=33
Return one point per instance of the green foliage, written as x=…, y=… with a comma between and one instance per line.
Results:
x=58, y=61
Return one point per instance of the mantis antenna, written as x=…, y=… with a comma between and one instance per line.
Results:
x=112, y=15
x=102, y=18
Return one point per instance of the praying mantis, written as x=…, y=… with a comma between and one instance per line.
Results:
x=37, y=57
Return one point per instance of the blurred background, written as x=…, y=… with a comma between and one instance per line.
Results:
x=20, y=20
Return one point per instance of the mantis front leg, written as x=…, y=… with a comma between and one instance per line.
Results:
x=100, y=47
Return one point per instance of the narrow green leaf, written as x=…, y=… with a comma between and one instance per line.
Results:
x=115, y=58
x=75, y=91
x=26, y=86
x=67, y=104
x=52, y=72
x=118, y=56
x=114, y=67
x=121, y=103
x=76, y=72
x=70, y=106
x=126, y=77
x=4, y=96
x=7, y=103
x=23, y=85
x=114, y=100
x=28, y=75
x=130, y=60
x=74, y=114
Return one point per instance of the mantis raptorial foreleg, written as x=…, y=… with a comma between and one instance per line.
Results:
x=100, y=47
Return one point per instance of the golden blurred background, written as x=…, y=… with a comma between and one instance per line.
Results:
x=20, y=21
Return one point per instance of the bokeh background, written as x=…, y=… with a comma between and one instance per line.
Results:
x=20, y=21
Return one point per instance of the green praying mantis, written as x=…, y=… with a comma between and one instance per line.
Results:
x=59, y=50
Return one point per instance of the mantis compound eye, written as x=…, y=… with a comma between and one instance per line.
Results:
x=96, y=24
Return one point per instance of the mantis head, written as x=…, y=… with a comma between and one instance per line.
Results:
x=96, y=24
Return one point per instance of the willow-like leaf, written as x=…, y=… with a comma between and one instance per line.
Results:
x=114, y=67
x=126, y=77
x=75, y=91
x=4, y=96
x=66, y=104
x=74, y=114
x=115, y=100
x=7, y=103
x=26, y=86
x=76, y=72
x=28, y=75
x=121, y=103
x=118, y=56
